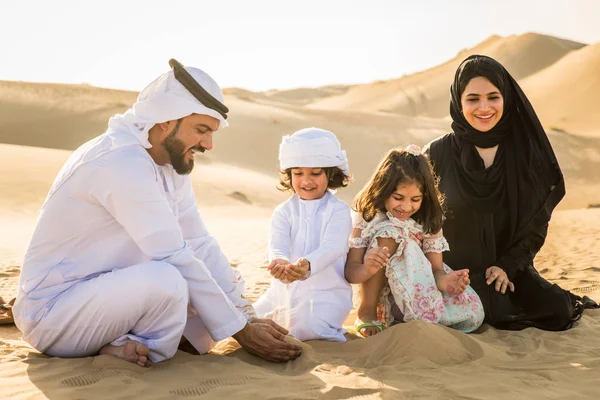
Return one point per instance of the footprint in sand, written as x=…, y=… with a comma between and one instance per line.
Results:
x=90, y=378
x=10, y=271
x=587, y=289
x=211, y=384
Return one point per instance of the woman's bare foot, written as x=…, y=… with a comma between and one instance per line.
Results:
x=454, y=282
x=132, y=351
x=366, y=315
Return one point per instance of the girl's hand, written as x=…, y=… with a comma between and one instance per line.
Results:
x=497, y=274
x=376, y=258
x=297, y=271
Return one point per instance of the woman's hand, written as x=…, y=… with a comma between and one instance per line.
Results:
x=497, y=274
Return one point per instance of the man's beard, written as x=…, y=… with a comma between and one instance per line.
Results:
x=176, y=150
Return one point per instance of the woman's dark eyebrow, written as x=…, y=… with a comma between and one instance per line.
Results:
x=477, y=94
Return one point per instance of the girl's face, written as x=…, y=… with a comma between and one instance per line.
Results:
x=309, y=183
x=405, y=201
x=482, y=104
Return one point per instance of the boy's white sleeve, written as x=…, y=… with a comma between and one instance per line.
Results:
x=280, y=241
x=334, y=243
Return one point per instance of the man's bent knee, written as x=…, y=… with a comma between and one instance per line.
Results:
x=163, y=278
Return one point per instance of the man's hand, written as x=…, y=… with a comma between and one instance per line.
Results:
x=265, y=339
x=297, y=271
x=497, y=274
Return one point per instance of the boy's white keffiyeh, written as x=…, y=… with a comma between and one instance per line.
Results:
x=312, y=147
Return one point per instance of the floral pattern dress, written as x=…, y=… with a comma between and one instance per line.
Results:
x=411, y=292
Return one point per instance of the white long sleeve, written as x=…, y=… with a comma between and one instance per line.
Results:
x=134, y=199
x=280, y=235
x=207, y=249
x=334, y=240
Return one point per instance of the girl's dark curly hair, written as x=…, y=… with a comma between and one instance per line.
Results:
x=401, y=167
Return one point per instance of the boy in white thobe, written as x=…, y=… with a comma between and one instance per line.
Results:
x=120, y=253
x=310, y=229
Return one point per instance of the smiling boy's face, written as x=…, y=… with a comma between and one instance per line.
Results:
x=309, y=183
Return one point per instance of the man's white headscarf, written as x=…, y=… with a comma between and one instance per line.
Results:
x=312, y=147
x=165, y=99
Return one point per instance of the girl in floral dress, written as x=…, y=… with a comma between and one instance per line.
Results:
x=396, y=251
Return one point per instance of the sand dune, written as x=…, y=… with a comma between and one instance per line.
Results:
x=565, y=93
x=427, y=92
x=61, y=121
x=300, y=96
x=57, y=115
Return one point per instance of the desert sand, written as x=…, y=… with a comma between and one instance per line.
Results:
x=235, y=186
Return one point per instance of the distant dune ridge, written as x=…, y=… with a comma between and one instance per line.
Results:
x=427, y=92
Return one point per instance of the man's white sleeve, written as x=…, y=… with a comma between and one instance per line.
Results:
x=128, y=188
x=207, y=249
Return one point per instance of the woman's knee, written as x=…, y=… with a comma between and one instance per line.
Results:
x=564, y=309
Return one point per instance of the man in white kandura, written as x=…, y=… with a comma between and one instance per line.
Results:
x=120, y=261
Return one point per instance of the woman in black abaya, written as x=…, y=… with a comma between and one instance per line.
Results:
x=501, y=181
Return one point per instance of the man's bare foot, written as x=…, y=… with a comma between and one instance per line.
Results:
x=454, y=282
x=6, y=315
x=132, y=351
x=365, y=315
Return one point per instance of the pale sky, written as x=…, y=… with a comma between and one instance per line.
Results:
x=264, y=44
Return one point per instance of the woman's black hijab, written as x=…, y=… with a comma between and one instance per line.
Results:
x=525, y=175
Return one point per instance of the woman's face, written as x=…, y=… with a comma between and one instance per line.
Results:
x=482, y=104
